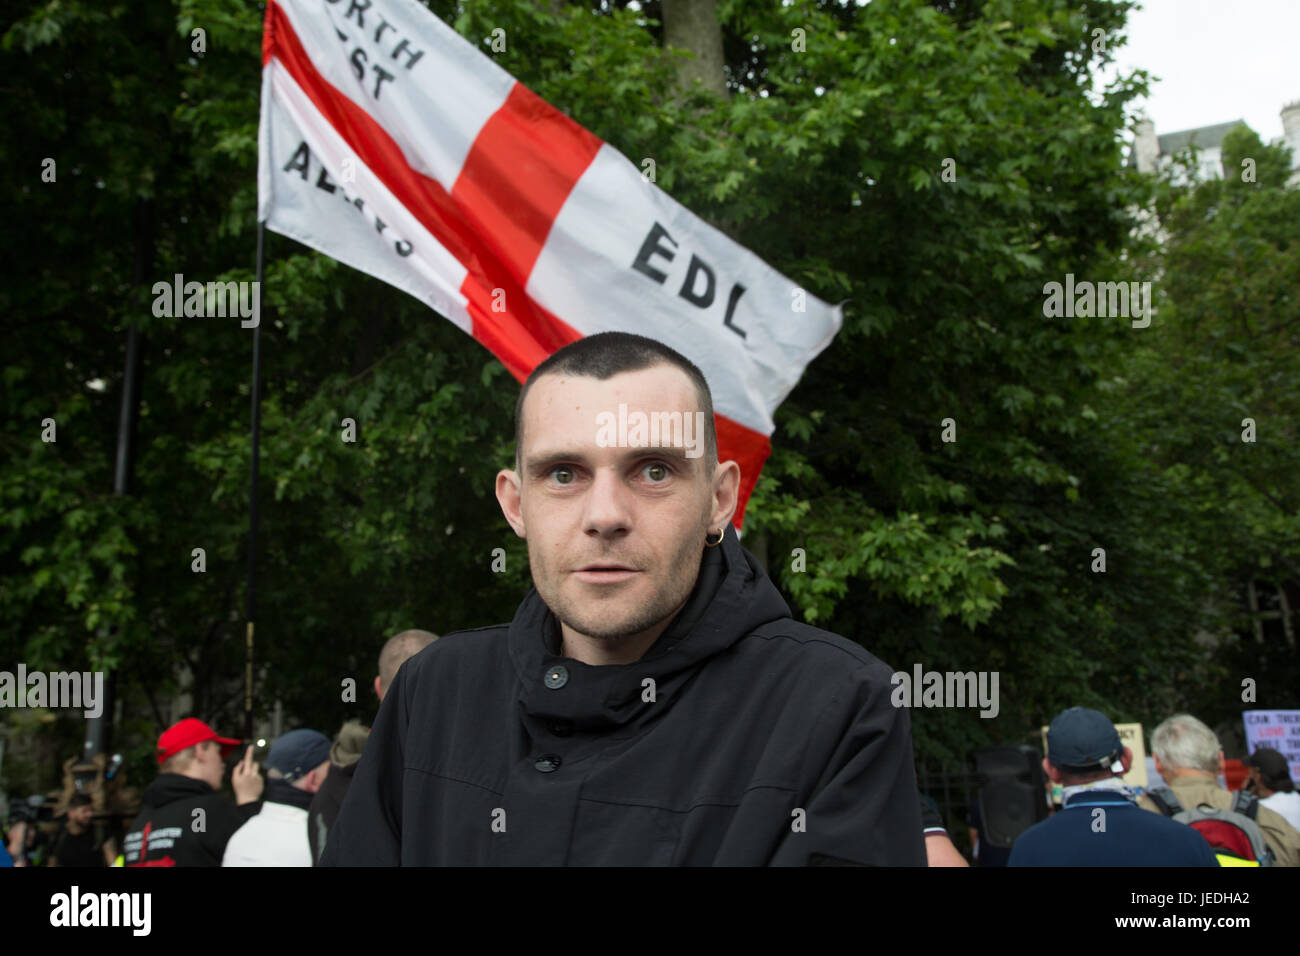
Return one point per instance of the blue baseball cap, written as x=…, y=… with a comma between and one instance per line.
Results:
x=298, y=753
x=1083, y=739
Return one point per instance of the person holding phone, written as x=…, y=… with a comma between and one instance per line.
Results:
x=185, y=821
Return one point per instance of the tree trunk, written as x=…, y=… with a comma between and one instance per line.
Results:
x=693, y=25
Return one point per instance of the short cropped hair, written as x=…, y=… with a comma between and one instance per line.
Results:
x=397, y=649
x=180, y=761
x=606, y=354
x=1184, y=742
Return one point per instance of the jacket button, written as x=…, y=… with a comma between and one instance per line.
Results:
x=561, y=728
x=556, y=677
x=547, y=763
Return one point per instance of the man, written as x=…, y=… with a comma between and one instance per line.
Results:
x=1100, y=823
x=396, y=651
x=1270, y=779
x=28, y=842
x=78, y=843
x=1190, y=760
x=652, y=702
x=295, y=769
x=184, y=821
x=351, y=738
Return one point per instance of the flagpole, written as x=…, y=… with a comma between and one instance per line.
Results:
x=250, y=598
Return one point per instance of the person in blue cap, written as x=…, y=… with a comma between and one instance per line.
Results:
x=1100, y=823
x=295, y=769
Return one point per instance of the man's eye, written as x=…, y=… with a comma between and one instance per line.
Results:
x=657, y=471
x=562, y=476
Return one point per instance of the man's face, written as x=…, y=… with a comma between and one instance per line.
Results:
x=615, y=534
x=81, y=815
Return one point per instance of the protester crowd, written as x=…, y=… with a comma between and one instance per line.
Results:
x=281, y=819
x=1188, y=818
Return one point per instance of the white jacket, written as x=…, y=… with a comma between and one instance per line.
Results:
x=277, y=836
x=1286, y=803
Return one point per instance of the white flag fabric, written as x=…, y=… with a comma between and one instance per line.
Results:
x=388, y=142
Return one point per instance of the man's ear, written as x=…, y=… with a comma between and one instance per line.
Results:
x=1127, y=760
x=1053, y=774
x=379, y=688
x=726, y=494
x=508, y=496
x=1161, y=769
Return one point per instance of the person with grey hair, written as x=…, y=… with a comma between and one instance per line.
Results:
x=1190, y=760
x=1099, y=823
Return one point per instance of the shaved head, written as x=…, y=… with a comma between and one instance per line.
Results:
x=397, y=649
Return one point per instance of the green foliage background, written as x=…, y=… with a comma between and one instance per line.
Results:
x=1072, y=434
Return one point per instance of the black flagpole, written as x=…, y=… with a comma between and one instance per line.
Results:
x=250, y=600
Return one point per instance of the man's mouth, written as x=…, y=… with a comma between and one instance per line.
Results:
x=605, y=573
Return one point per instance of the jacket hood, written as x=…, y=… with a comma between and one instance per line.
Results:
x=348, y=743
x=170, y=787
x=732, y=597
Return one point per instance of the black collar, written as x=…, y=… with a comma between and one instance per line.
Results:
x=732, y=595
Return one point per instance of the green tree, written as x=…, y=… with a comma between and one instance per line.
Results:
x=932, y=164
x=1215, y=394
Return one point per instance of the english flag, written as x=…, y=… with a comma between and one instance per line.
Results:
x=388, y=142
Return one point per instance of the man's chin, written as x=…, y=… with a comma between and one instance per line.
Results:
x=609, y=631
x=612, y=626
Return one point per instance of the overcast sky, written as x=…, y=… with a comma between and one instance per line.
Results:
x=1216, y=60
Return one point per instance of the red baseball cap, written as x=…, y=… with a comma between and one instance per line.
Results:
x=187, y=733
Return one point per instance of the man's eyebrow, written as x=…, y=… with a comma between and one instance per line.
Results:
x=540, y=464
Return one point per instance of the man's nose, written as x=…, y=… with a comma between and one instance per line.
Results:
x=608, y=505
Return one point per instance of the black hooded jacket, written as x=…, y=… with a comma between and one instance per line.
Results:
x=742, y=737
x=167, y=831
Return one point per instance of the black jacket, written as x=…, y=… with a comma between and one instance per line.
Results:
x=346, y=750
x=766, y=742
x=167, y=828
x=324, y=809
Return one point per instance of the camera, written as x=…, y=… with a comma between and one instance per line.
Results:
x=33, y=809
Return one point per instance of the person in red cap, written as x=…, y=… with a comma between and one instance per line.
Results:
x=184, y=820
